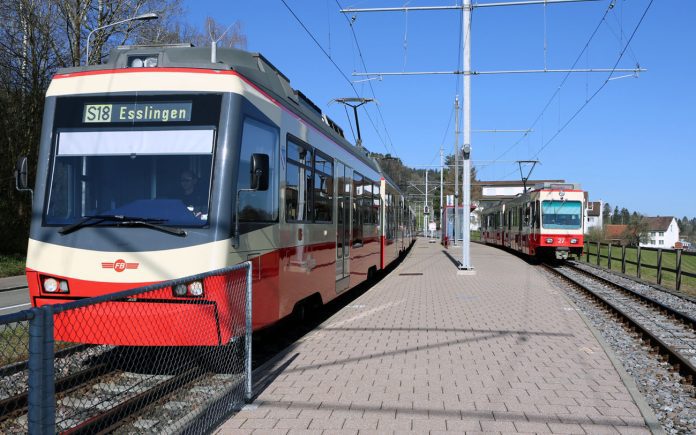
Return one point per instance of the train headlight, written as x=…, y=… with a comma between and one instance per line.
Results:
x=180, y=290
x=142, y=62
x=63, y=286
x=549, y=240
x=573, y=241
x=195, y=288
x=50, y=285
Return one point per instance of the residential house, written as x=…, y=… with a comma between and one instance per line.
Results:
x=593, y=214
x=662, y=232
x=615, y=234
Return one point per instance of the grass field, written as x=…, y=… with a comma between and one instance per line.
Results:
x=11, y=265
x=648, y=260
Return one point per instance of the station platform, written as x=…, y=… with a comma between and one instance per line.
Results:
x=428, y=351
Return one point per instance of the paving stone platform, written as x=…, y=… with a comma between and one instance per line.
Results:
x=502, y=351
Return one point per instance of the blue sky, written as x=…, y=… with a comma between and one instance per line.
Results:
x=633, y=145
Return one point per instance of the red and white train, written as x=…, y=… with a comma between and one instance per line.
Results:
x=277, y=184
x=545, y=222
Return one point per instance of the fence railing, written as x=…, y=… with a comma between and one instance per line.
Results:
x=161, y=358
x=673, y=268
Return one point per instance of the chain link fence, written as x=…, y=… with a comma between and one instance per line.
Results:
x=14, y=383
x=173, y=357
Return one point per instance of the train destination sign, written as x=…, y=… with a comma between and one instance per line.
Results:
x=137, y=112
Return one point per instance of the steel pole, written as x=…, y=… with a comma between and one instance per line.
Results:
x=442, y=169
x=466, y=140
x=456, y=171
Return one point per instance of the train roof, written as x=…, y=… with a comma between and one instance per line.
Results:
x=253, y=66
x=556, y=186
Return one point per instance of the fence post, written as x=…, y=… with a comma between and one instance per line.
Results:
x=623, y=259
x=638, y=261
x=679, y=271
x=588, y=251
x=659, y=265
x=34, y=365
x=247, y=339
x=49, y=397
x=599, y=252
x=609, y=257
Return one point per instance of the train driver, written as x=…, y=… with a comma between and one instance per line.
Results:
x=192, y=196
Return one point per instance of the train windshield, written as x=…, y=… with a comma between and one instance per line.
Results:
x=156, y=171
x=565, y=215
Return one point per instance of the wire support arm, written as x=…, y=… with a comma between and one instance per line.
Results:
x=472, y=6
x=522, y=71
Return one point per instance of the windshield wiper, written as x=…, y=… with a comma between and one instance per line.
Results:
x=122, y=220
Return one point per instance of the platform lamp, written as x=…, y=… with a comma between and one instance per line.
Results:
x=144, y=17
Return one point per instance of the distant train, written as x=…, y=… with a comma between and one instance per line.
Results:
x=544, y=222
x=161, y=164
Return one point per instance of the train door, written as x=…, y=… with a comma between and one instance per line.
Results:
x=344, y=177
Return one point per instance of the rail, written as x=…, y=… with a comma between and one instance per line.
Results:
x=680, y=362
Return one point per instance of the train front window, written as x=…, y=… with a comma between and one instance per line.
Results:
x=163, y=175
x=565, y=215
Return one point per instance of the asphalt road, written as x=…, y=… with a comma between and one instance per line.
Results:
x=14, y=300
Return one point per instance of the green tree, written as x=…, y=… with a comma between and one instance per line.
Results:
x=625, y=216
x=606, y=213
x=616, y=217
x=637, y=231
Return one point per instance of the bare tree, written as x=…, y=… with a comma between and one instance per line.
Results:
x=230, y=35
x=38, y=37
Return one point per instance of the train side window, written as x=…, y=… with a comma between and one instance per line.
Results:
x=527, y=215
x=358, y=217
x=369, y=202
x=258, y=138
x=375, y=204
x=298, y=182
x=323, y=188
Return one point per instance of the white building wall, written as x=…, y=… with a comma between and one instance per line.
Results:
x=664, y=239
x=593, y=221
x=501, y=191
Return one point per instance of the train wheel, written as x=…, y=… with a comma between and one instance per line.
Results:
x=307, y=308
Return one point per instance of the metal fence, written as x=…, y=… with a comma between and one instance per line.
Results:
x=173, y=357
x=673, y=268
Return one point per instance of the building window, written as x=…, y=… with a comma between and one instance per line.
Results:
x=662, y=233
x=661, y=242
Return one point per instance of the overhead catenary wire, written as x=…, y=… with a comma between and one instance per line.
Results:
x=563, y=81
x=350, y=83
x=372, y=90
x=607, y=80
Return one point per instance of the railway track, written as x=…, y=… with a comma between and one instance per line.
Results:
x=136, y=390
x=669, y=330
x=109, y=396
